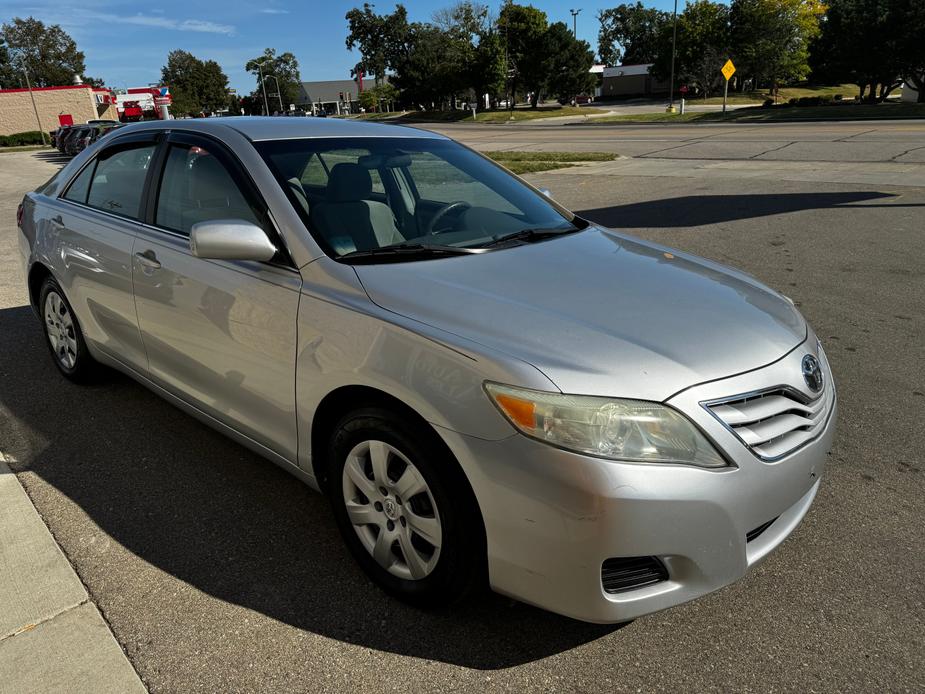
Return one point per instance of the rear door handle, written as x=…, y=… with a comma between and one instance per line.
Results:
x=148, y=260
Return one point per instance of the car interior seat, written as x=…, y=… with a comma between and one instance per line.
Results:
x=347, y=219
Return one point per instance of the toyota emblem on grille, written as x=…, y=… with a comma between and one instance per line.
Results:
x=812, y=373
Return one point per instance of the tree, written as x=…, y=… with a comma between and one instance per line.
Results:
x=770, y=38
x=630, y=34
x=702, y=46
x=486, y=71
x=568, y=68
x=379, y=98
x=523, y=31
x=911, y=43
x=422, y=71
x=8, y=77
x=285, y=68
x=873, y=43
x=379, y=39
x=48, y=52
x=195, y=86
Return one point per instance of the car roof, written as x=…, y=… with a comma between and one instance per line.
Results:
x=259, y=128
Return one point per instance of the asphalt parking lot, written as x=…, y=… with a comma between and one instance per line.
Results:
x=219, y=572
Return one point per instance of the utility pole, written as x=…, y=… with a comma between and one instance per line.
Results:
x=575, y=21
x=674, y=39
x=34, y=107
x=266, y=104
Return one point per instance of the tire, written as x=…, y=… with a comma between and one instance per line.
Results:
x=63, y=335
x=435, y=537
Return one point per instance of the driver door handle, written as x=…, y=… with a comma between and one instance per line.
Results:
x=148, y=260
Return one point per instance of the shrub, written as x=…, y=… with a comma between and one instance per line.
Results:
x=767, y=103
x=32, y=137
x=793, y=101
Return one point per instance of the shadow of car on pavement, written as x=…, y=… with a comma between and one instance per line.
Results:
x=701, y=210
x=210, y=513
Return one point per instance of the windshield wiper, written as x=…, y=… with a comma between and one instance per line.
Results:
x=407, y=251
x=527, y=236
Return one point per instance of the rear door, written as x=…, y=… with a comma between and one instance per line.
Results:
x=94, y=222
x=219, y=334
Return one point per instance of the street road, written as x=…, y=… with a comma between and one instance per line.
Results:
x=865, y=141
x=218, y=572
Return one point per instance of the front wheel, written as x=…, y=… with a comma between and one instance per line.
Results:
x=396, y=499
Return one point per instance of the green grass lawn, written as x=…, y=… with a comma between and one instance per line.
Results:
x=780, y=113
x=500, y=116
x=533, y=162
x=848, y=91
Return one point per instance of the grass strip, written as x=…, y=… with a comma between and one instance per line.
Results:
x=533, y=162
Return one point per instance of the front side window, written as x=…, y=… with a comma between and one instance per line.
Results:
x=366, y=194
x=119, y=180
x=196, y=187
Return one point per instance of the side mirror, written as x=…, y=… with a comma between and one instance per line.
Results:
x=230, y=239
x=546, y=192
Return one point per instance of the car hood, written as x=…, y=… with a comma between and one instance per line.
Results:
x=597, y=312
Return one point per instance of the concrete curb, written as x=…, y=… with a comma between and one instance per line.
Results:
x=52, y=637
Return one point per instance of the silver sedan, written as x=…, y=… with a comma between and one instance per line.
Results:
x=489, y=389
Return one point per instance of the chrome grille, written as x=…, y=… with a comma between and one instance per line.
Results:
x=774, y=423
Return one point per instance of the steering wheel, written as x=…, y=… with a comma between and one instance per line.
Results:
x=443, y=212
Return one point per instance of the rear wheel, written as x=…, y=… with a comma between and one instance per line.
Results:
x=397, y=504
x=63, y=336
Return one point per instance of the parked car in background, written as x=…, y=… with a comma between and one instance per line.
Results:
x=78, y=139
x=100, y=131
x=489, y=389
x=65, y=137
x=61, y=135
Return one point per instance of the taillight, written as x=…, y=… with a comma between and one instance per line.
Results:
x=19, y=211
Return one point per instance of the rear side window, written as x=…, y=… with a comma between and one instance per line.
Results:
x=81, y=185
x=196, y=187
x=119, y=180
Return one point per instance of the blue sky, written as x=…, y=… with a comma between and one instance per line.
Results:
x=126, y=43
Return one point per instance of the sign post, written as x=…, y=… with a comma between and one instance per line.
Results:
x=728, y=71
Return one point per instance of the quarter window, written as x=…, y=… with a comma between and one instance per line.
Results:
x=196, y=187
x=119, y=180
x=81, y=185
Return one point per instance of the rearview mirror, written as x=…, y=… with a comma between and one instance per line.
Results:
x=230, y=239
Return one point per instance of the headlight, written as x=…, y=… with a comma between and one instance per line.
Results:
x=633, y=430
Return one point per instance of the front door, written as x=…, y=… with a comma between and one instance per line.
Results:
x=219, y=334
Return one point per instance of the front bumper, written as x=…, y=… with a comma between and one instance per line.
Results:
x=553, y=517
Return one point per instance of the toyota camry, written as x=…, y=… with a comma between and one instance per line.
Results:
x=491, y=390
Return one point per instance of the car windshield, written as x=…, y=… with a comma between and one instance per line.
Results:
x=361, y=197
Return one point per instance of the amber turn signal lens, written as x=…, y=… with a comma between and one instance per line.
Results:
x=520, y=411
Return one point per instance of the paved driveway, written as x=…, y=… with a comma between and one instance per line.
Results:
x=217, y=571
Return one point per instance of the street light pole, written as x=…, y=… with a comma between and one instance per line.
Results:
x=266, y=105
x=279, y=93
x=674, y=39
x=575, y=21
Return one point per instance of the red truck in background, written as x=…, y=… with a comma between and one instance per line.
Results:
x=142, y=103
x=131, y=111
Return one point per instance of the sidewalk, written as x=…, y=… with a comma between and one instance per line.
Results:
x=52, y=637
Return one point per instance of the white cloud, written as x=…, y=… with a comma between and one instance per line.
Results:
x=156, y=21
x=273, y=10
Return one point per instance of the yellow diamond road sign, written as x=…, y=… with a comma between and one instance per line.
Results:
x=728, y=70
